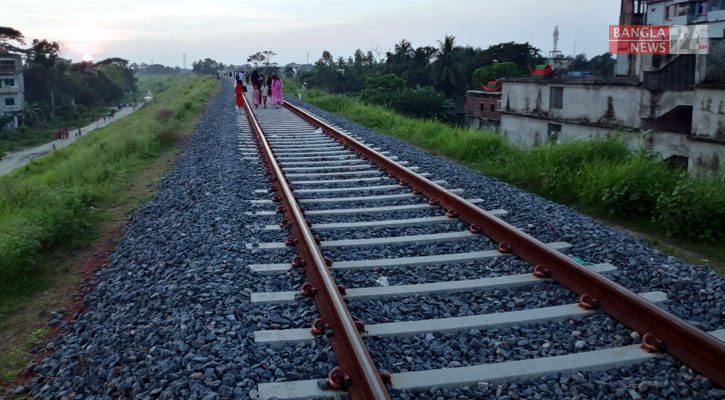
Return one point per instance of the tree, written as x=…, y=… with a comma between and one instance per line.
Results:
x=418, y=74
x=207, y=66
x=289, y=72
x=447, y=70
x=8, y=35
x=380, y=89
x=494, y=72
x=602, y=65
x=326, y=58
x=410, y=64
x=114, y=61
x=268, y=54
x=579, y=63
x=256, y=58
x=120, y=76
x=389, y=90
x=43, y=52
x=522, y=55
x=403, y=53
x=423, y=102
x=32, y=112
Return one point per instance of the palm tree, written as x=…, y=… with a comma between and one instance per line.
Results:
x=447, y=70
x=33, y=112
x=403, y=51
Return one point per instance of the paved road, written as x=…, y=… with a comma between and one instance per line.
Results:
x=20, y=158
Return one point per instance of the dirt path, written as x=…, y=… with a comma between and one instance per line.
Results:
x=20, y=158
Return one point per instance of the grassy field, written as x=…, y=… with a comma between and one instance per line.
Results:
x=55, y=202
x=603, y=178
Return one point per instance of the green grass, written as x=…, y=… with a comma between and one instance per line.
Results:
x=15, y=362
x=56, y=202
x=601, y=177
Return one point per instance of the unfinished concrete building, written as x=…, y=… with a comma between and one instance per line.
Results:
x=673, y=104
x=11, y=90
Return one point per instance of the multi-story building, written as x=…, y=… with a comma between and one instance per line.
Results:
x=482, y=109
x=11, y=89
x=673, y=104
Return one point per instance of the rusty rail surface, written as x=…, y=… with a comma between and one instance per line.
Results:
x=357, y=373
x=660, y=329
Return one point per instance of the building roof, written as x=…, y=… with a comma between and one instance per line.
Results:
x=580, y=80
x=481, y=92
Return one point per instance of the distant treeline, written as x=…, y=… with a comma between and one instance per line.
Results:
x=426, y=81
x=157, y=69
x=59, y=89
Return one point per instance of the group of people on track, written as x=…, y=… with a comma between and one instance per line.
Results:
x=263, y=88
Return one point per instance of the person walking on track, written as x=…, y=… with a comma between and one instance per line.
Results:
x=277, y=91
x=239, y=91
x=256, y=95
x=263, y=89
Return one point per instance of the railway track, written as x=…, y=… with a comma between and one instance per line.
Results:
x=350, y=226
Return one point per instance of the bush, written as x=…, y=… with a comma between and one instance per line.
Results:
x=423, y=102
x=20, y=242
x=694, y=209
x=494, y=72
x=555, y=171
x=380, y=89
x=626, y=187
x=390, y=91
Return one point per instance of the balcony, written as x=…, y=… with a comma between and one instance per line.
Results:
x=715, y=16
x=8, y=71
x=9, y=90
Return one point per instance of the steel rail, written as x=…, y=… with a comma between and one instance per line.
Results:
x=660, y=329
x=359, y=376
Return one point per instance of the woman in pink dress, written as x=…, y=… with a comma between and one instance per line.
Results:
x=277, y=91
x=256, y=96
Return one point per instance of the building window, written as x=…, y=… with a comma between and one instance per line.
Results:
x=670, y=12
x=483, y=107
x=556, y=97
x=683, y=10
x=6, y=64
x=701, y=7
x=9, y=101
x=553, y=134
x=8, y=82
x=493, y=107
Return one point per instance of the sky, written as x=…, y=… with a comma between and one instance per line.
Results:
x=229, y=31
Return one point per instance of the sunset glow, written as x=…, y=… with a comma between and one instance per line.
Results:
x=87, y=58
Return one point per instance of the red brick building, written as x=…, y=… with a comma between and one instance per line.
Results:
x=482, y=109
